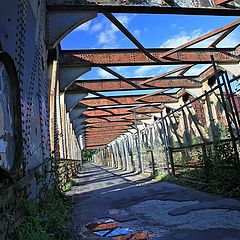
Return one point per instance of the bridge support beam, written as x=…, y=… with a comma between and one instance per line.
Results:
x=60, y=23
x=68, y=75
x=71, y=99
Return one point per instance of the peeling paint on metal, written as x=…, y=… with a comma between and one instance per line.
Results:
x=7, y=145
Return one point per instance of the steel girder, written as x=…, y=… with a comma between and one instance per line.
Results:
x=95, y=136
x=106, y=129
x=72, y=99
x=110, y=124
x=121, y=111
x=100, y=85
x=68, y=75
x=127, y=100
x=115, y=118
x=135, y=57
x=92, y=132
x=75, y=113
x=200, y=7
x=60, y=23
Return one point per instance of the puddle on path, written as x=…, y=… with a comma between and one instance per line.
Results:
x=108, y=227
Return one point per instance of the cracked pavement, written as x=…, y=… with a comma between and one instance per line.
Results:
x=163, y=210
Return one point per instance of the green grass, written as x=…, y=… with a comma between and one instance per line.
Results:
x=222, y=181
x=46, y=219
x=161, y=176
x=67, y=187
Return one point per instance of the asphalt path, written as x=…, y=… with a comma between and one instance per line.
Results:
x=139, y=204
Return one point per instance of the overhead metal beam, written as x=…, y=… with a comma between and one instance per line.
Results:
x=100, y=85
x=129, y=36
x=200, y=7
x=75, y=113
x=72, y=99
x=134, y=57
x=60, y=23
x=135, y=85
x=109, y=128
x=95, y=137
x=68, y=75
x=181, y=69
x=101, y=140
x=201, y=38
x=116, y=118
x=221, y=2
x=99, y=120
x=121, y=111
x=117, y=123
x=92, y=132
x=102, y=114
x=127, y=100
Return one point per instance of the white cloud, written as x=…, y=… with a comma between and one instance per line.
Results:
x=83, y=27
x=103, y=74
x=96, y=27
x=124, y=19
x=181, y=38
x=144, y=71
x=108, y=36
x=196, y=70
x=137, y=33
x=88, y=27
x=231, y=40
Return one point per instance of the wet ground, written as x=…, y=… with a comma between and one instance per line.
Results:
x=112, y=204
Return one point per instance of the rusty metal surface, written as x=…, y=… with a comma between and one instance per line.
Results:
x=100, y=85
x=121, y=111
x=97, y=102
x=107, y=128
x=200, y=7
x=115, y=118
x=106, y=133
x=110, y=124
x=134, y=57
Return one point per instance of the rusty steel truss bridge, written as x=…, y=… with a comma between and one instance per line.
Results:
x=45, y=113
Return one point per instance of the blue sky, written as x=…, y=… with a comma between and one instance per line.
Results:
x=151, y=30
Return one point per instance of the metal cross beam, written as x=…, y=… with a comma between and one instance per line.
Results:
x=115, y=118
x=134, y=57
x=121, y=111
x=92, y=132
x=107, y=128
x=94, y=136
x=126, y=116
x=100, y=85
x=200, y=7
x=101, y=140
x=128, y=100
x=221, y=2
x=111, y=124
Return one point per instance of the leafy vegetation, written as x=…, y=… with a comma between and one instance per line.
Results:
x=87, y=155
x=67, y=186
x=218, y=172
x=46, y=219
x=161, y=176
